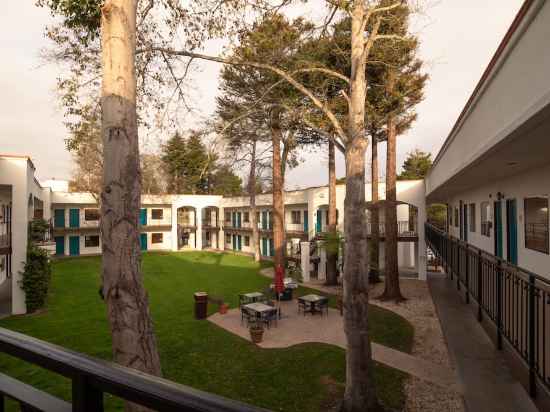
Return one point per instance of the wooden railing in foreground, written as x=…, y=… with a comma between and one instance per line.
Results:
x=91, y=378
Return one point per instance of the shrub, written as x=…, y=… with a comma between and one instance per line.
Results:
x=36, y=277
x=38, y=229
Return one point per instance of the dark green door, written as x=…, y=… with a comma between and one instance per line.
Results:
x=465, y=221
x=319, y=221
x=498, y=228
x=60, y=245
x=74, y=245
x=306, y=227
x=143, y=241
x=239, y=242
x=511, y=231
x=271, y=247
x=143, y=217
x=74, y=218
x=59, y=218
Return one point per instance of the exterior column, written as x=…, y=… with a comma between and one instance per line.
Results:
x=422, y=259
x=198, y=232
x=19, y=233
x=305, y=262
x=174, y=223
x=322, y=274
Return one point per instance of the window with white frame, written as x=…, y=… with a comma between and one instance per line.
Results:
x=296, y=217
x=156, y=237
x=486, y=218
x=247, y=240
x=246, y=217
x=157, y=214
x=91, y=241
x=472, y=217
x=91, y=214
x=536, y=224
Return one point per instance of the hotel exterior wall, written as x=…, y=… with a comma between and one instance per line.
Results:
x=535, y=182
x=521, y=72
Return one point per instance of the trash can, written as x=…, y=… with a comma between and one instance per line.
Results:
x=201, y=305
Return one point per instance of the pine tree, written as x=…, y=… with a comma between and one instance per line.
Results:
x=173, y=160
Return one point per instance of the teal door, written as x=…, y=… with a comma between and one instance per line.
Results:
x=74, y=218
x=498, y=228
x=511, y=231
x=465, y=221
x=306, y=226
x=264, y=220
x=143, y=217
x=74, y=245
x=239, y=242
x=319, y=224
x=59, y=218
x=239, y=215
x=234, y=242
x=59, y=245
x=143, y=241
x=271, y=247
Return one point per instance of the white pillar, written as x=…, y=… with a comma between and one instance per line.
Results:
x=305, y=260
x=322, y=273
x=174, y=223
x=422, y=258
x=198, y=232
x=19, y=225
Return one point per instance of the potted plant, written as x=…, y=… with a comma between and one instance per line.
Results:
x=256, y=331
x=223, y=308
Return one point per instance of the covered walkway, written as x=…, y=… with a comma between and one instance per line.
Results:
x=487, y=382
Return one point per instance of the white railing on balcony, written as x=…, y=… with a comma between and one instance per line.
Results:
x=404, y=228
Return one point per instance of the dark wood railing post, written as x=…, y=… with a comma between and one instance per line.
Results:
x=479, y=286
x=86, y=398
x=532, y=337
x=458, y=265
x=499, y=303
x=467, y=274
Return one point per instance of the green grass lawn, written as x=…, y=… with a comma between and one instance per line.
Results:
x=197, y=353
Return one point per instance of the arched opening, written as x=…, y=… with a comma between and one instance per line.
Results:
x=210, y=227
x=187, y=227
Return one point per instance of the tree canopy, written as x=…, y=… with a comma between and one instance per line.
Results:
x=416, y=165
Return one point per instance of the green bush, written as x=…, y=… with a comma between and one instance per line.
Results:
x=38, y=229
x=36, y=278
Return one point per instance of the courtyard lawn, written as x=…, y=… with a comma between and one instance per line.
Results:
x=302, y=378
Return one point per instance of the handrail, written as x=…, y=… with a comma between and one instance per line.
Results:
x=92, y=377
x=514, y=299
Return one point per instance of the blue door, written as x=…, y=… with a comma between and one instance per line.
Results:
x=74, y=245
x=511, y=231
x=143, y=240
x=74, y=218
x=239, y=242
x=59, y=218
x=234, y=242
x=306, y=226
x=465, y=221
x=60, y=245
x=498, y=228
x=143, y=217
x=319, y=224
x=239, y=215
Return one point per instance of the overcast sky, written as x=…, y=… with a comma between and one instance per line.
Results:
x=458, y=38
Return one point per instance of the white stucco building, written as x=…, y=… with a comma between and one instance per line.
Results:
x=181, y=222
x=493, y=170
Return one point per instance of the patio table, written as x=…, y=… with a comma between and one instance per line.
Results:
x=254, y=296
x=261, y=311
x=313, y=303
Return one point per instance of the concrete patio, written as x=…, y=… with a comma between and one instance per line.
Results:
x=294, y=328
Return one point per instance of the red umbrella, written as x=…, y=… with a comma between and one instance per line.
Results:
x=279, y=280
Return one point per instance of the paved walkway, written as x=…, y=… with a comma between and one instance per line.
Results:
x=296, y=328
x=487, y=382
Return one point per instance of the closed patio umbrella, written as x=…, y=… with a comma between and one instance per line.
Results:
x=279, y=285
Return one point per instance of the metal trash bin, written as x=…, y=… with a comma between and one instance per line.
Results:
x=201, y=305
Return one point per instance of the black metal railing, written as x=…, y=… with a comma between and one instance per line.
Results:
x=91, y=378
x=516, y=300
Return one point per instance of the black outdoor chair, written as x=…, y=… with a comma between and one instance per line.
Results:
x=246, y=316
x=302, y=306
x=270, y=316
x=322, y=306
x=243, y=300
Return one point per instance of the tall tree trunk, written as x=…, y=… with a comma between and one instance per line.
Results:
x=360, y=393
x=252, y=194
x=133, y=338
x=332, y=255
x=391, y=270
x=374, y=245
x=278, y=203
